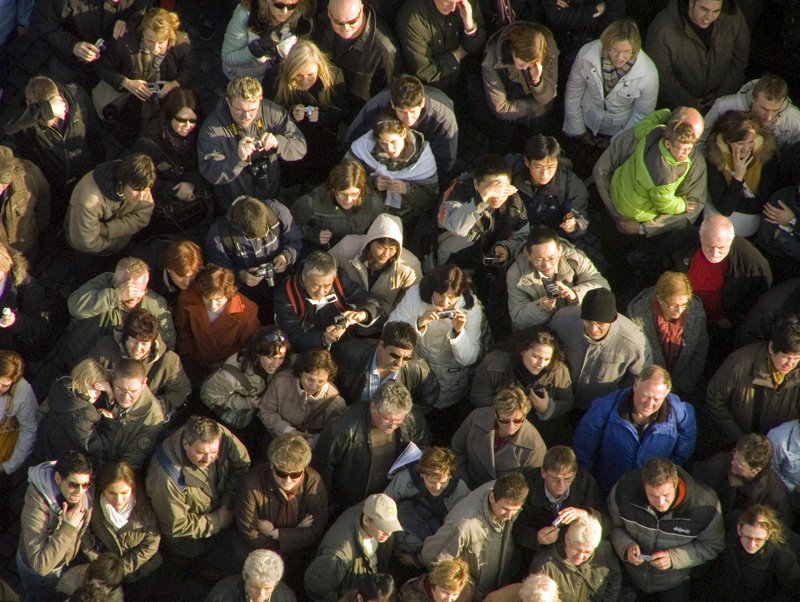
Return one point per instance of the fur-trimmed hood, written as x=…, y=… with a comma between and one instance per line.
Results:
x=764, y=150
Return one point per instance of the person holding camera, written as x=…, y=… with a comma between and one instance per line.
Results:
x=259, y=242
x=241, y=140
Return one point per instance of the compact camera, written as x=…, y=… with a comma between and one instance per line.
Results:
x=558, y=523
x=265, y=271
x=340, y=321
x=552, y=290
x=308, y=111
x=447, y=313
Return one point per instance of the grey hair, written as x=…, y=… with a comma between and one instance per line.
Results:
x=586, y=530
x=393, y=397
x=538, y=588
x=319, y=263
x=263, y=566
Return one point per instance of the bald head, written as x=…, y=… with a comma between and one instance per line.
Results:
x=716, y=237
x=347, y=18
x=692, y=117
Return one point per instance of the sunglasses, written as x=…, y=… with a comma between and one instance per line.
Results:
x=510, y=420
x=350, y=23
x=72, y=485
x=287, y=475
x=284, y=6
x=186, y=119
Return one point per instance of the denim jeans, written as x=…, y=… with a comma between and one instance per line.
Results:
x=35, y=587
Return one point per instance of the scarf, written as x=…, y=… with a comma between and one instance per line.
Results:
x=287, y=515
x=118, y=518
x=183, y=146
x=752, y=177
x=670, y=334
x=612, y=74
x=526, y=379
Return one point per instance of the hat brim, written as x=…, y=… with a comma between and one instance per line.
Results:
x=388, y=525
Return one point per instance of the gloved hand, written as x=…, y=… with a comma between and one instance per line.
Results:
x=261, y=47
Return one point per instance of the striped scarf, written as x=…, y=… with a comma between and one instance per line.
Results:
x=612, y=74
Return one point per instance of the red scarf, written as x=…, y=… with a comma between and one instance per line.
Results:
x=670, y=334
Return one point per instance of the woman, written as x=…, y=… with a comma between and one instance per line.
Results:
x=448, y=581
x=260, y=35
x=402, y=165
x=424, y=493
x=674, y=323
x=179, y=263
x=534, y=363
x=312, y=90
x=499, y=439
x=25, y=317
x=343, y=205
x=18, y=419
x=757, y=564
x=70, y=418
x=742, y=170
x=611, y=86
x=234, y=392
x=182, y=197
x=304, y=400
x=141, y=68
x=450, y=324
x=123, y=523
x=213, y=320
x=282, y=504
x=520, y=72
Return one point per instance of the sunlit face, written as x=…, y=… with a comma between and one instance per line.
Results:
x=596, y=331
x=127, y=391
x=435, y=482
x=765, y=110
x=545, y=257
x=542, y=170
x=445, y=6
x=445, y=300
x=216, y=303
x=648, y=397
x=281, y=10
x=392, y=144
x=347, y=18
x=244, y=112
x=258, y=592
x=558, y=483
x=716, y=244
x=182, y=282
x=5, y=384
x=306, y=76
x=502, y=509
x=409, y=116
x=745, y=147
x=484, y=187
x=155, y=43
x=202, y=453
x=136, y=349
x=138, y=282
x=347, y=198
x=288, y=481
x=388, y=422
x=672, y=308
x=783, y=362
x=577, y=553
x=135, y=196
x=318, y=286
x=272, y=363
x=508, y=425
x=72, y=486
x=59, y=107
x=372, y=530
x=523, y=65
x=118, y=494
x=704, y=12
x=660, y=497
x=620, y=53
x=680, y=151
x=312, y=382
x=381, y=253
x=739, y=467
x=439, y=594
x=537, y=358
x=752, y=537
x=392, y=358
x=184, y=122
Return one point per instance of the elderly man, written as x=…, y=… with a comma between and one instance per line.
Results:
x=240, y=142
x=360, y=44
x=625, y=428
x=638, y=164
x=479, y=530
x=758, y=386
x=548, y=274
x=315, y=309
x=358, y=544
x=260, y=581
x=665, y=523
x=583, y=565
x=353, y=454
x=701, y=48
x=604, y=350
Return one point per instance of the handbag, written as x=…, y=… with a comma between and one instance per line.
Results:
x=503, y=13
x=9, y=430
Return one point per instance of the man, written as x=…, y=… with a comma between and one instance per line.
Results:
x=758, y=386
x=359, y=43
x=192, y=482
x=726, y=271
x=560, y=491
x=59, y=130
x=665, y=523
x=310, y=307
x=357, y=545
x=436, y=36
x=110, y=204
x=240, y=142
x=684, y=177
x=604, y=350
x=744, y=477
x=260, y=581
x=479, y=530
x=481, y=215
x=353, y=454
x=423, y=108
x=24, y=204
x=548, y=274
x=583, y=565
x=139, y=339
x=133, y=418
x=364, y=365
x=701, y=48
x=625, y=428
x=251, y=235
x=56, y=514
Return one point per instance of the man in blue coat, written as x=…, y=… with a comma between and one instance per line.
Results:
x=624, y=429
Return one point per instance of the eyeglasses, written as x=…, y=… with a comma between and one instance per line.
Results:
x=350, y=23
x=672, y=306
x=552, y=260
x=126, y=392
x=754, y=539
x=623, y=54
x=191, y=120
x=398, y=357
x=82, y=486
x=288, y=475
x=284, y=6
x=510, y=420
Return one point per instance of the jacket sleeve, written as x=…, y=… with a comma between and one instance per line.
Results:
x=484, y=388
x=238, y=465
x=246, y=514
x=32, y=328
x=176, y=387
x=459, y=446
x=425, y=387
x=779, y=456
x=288, y=321
x=615, y=155
x=48, y=16
x=648, y=93
x=235, y=51
x=134, y=558
x=415, y=33
x=720, y=393
x=705, y=547
x=324, y=577
x=659, y=47
x=293, y=539
x=734, y=71
x=621, y=540
x=303, y=212
x=466, y=345
x=83, y=224
x=222, y=390
x=291, y=242
x=291, y=142
x=589, y=433
x=587, y=277
x=45, y=550
x=40, y=189
x=217, y=154
x=93, y=298
x=132, y=222
x=24, y=410
x=175, y=517
x=446, y=541
x=109, y=67
x=524, y=310
x=328, y=453
x=458, y=216
x=574, y=123
x=687, y=435
x=184, y=59
x=269, y=415
x=497, y=97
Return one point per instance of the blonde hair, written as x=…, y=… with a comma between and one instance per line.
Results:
x=302, y=54
x=670, y=284
x=451, y=574
x=247, y=88
x=622, y=30
x=85, y=375
x=6, y=261
x=163, y=23
x=511, y=399
x=133, y=266
x=762, y=516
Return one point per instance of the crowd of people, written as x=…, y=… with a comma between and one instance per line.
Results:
x=278, y=348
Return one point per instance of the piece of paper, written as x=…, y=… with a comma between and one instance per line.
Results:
x=410, y=454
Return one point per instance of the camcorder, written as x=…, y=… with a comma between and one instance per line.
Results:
x=265, y=271
x=260, y=161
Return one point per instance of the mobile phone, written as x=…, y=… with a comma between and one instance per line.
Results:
x=552, y=290
x=153, y=87
x=100, y=44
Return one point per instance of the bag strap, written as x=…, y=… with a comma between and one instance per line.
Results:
x=316, y=413
x=238, y=374
x=170, y=468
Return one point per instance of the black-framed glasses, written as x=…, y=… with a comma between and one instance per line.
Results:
x=510, y=420
x=288, y=475
x=185, y=120
x=284, y=6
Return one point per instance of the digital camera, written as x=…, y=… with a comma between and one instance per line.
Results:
x=265, y=271
x=447, y=313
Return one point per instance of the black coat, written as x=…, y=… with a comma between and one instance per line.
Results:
x=31, y=330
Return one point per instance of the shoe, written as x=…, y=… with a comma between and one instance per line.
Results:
x=207, y=28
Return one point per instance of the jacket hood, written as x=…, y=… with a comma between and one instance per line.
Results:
x=105, y=176
x=41, y=477
x=384, y=226
x=763, y=151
